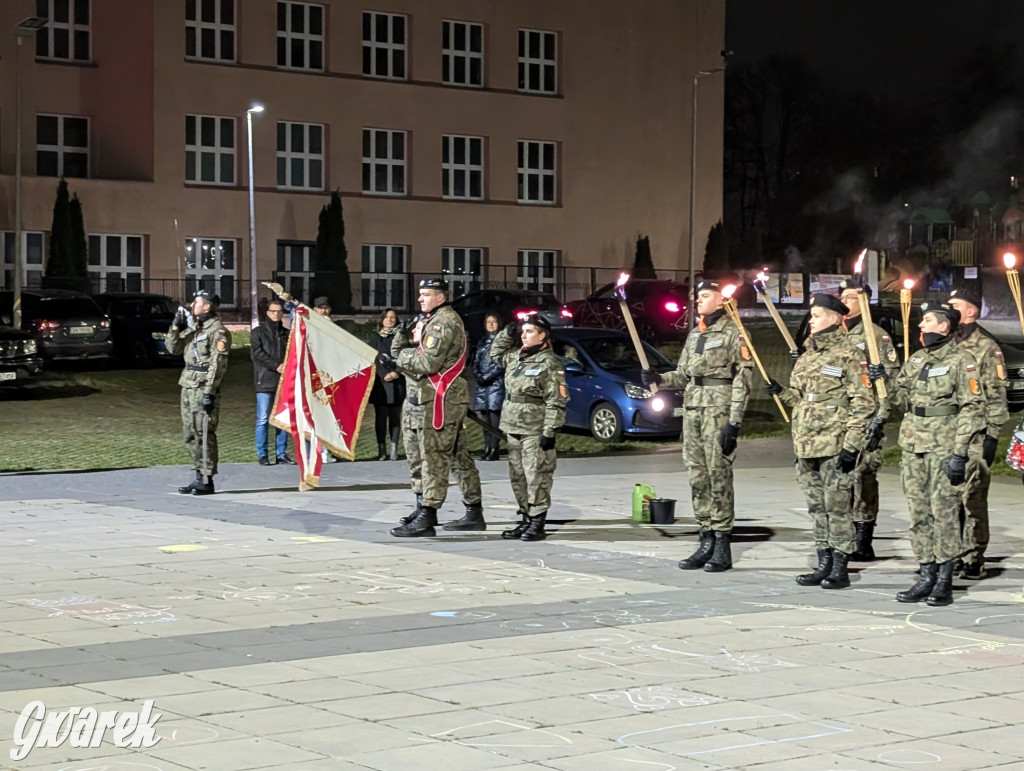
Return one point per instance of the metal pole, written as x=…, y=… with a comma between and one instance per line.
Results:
x=252, y=230
x=19, y=255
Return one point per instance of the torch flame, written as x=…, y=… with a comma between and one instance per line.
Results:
x=908, y=284
x=623, y=278
x=1009, y=260
x=763, y=276
x=727, y=291
x=860, y=261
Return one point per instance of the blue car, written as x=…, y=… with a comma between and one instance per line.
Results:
x=606, y=395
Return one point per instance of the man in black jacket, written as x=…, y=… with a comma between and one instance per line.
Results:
x=269, y=343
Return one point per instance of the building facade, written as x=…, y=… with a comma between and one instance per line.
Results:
x=498, y=142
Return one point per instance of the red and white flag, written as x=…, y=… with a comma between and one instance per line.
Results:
x=327, y=379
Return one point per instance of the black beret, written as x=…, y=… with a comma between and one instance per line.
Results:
x=829, y=302
x=321, y=301
x=434, y=282
x=967, y=295
x=852, y=283
x=708, y=285
x=943, y=309
x=537, y=320
x=209, y=296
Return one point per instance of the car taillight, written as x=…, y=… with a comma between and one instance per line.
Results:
x=672, y=306
x=43, y=325
x=565, y=313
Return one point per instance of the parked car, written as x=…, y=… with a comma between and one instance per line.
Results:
x=659, y=309
x=20, y=362
x=66, y=325
x=606, y=395
x=474, y=307
x=138, y=325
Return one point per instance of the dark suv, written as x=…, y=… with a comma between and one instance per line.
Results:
x=19, y=357
x=65, y=324
x=659, y=309
x=138, y=325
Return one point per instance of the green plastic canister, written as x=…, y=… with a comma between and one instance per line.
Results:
x=642, y=495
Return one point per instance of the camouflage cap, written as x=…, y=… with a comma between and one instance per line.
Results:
x=943, y=309
x=434, y=282
x=966, y=295
x=829, y=302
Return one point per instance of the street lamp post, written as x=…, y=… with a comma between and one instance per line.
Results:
x=26, y=28
x=252, y=221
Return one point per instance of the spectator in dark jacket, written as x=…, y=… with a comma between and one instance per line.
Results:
x=269, y=344
x=388, y=390
x=490, y=386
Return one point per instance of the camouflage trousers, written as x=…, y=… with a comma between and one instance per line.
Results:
x=711, y=489
x=829, y=502
x=975, y=502
x=531, y=471
x=439, y=450
x=192, y=419
x=934, y=507
x=865, y=487
x=466, y=474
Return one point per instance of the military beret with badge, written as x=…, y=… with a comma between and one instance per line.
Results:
x=967, y=296
x=829, y=302
x=943, y=309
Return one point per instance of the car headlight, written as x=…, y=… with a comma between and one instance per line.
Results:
x=30, y=346
x=636, y=392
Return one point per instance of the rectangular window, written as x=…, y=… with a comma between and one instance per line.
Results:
x=538, y=64
x=536, y=269
x=300, y=36
x=116, y=263
x=300, y=156
x=537, y=172
x=210, y=30
x=462, y=53
x=209, y=150
x=294, y=262
x=210, y=264
x=383, y=282
x=461, y=266
x=384, y=45
x=31, y=259
x=384, y=162
x=66, y=37
x=62, y=146
x=462, y=167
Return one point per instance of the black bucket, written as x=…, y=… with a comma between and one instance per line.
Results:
x=663, y=511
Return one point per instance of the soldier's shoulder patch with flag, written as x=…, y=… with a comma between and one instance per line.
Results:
x=970, y=368
x=745, y=353
x=563, y=391
x=222, y=345
x=975, y=388
x=865, y=380
x=891, y=355
x=430, y=342
x=1000, y=371
x=437, y=327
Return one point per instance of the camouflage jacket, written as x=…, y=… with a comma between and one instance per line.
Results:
x=399, y=342
x=535, y=390
x=991, y=374
x=886, y=350
x=442, y=346
x=718, y=352
x=206, y=351
x=830, y=396
x=943, y=380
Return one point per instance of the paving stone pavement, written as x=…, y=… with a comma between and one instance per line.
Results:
x=279, y=630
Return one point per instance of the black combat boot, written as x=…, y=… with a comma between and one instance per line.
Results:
x=721, y=554
x=974, y=570
x=517, y=531
x=863, y=550
x=839, y=578
x=422, y=525
x=696, y=560
x=187, y=489
x=382, y=451
x=412, y=514
x=942, y=591
x=824, y=568
x=924, y=584
x=204, y=487
x=472, y=520
x=535, y=529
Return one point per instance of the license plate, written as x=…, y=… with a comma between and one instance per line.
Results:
x=8, y=375
x=1017, y=385
x=81, y=330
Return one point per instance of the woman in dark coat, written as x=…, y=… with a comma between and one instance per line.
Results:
x=388, y=390
x=490, y=385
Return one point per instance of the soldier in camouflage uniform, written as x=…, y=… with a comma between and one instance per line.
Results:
x=534, y=409
x=205, y=344
x=715, y=369
x=939, y=392
x=830, y=395
x=982, y=452
x=439, y=360
x=865, y=477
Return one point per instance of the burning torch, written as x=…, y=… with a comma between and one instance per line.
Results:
x=905, y=300
x=729, y=305
x=620, y=293
x=869, y=330
x=761, y=286
x=1010, y=261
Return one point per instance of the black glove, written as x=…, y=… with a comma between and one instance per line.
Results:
x=387, y=361
x=847, y=461
x=513, y=329
x=873, y=434
x=407, y=326
x=181, y=318
x=876, y=372
x=727, y=439
x=547, y=443
x=648, y=376
x=988, y=450
x=773, y=388
x=209, y=402
x=956, y=469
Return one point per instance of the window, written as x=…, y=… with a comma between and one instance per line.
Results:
x=462, y=53
x=66, y=36
x=294, y=261
x=384, y=47
x=462, y=167
x=210, y=30
x=209, y=150
x=300, y=156
x=384, y=282
x=384, y=162
x=62, y=146
x=537, y=61
x=537, y=171
x=210, y=265
x=536, y=269
x=31, y=262
x=115, y=263
x=461, y=266
x=300, y=36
